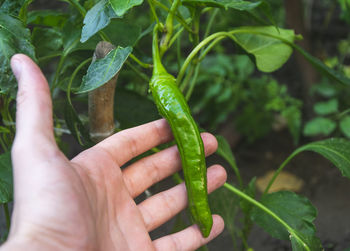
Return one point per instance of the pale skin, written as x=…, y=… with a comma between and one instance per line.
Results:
x=87, y=203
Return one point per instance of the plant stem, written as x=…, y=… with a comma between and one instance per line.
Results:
x=7, y=215
x=197, y=67
x=139, y=62
x=193, y=82
x=194, y=52
x=50, y=56
x=169, y=26
x=174, y=38
x=209, y=47
x=211, y=21
x=343, y=113
x=138, y=72
x=267, y=211
x=153, y=11
x=178, y=51
x=187, y=78
x=57, y=73
x=77, y=5
x=178, y=18
x=82, y=64
x=279, y=170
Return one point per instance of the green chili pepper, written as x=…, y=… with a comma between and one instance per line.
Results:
x=173, y=107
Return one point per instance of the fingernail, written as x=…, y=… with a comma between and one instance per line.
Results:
x=16, y=66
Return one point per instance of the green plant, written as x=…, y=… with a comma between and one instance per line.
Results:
x=63, y=42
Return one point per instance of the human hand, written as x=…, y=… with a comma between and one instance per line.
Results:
x=88, y=203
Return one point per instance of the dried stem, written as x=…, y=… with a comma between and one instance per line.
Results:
x=101, y=101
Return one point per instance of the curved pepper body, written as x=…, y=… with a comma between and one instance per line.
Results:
x=173, y=107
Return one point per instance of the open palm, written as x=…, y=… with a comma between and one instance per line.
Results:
x=88, y=203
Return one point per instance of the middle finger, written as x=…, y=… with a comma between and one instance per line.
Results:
x=144, y=173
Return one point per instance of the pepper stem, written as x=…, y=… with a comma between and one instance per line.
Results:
x=158, y=68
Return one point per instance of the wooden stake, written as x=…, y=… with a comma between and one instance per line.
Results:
x=101, y=101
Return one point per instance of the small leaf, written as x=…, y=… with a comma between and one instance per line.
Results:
x=345, y=126
x=122, y=6
x=267, y=44
x=51, y=18
x=319, y=126
x=46, y=41
x=313, y=242
x=321, y=67
x=102, y=70
x=97, y=18
x=132, y=109
x=71, y=39
x=11, y=7
x=250, y=191
x=226, y=204
x=336, y=150
x=234, y=4
x=77, y=128
x=297, y=211
x=325, y=108
x=23, y=13
x=14, y=38
x=293, y=116
x=224, y=150
x=6, y=180
x=130, y=33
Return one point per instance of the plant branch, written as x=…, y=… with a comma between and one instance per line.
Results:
x=178, y=18
x=169, y=25
x=194, y=52
x=138, y=72
x=267, y=211
x=77, y=5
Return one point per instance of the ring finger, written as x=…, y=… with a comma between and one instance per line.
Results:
x=161, y=207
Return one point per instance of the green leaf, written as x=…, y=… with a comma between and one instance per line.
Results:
x=319, y=126
x=267, y=44
x=234, y=4
x=250, y=191
x=297, y=211
x=71, y=34
x=293, y=116
x=46, y=41
x=312, y=241
x=49, y=18
x=122, y=6
x=325, y=108
x=6, y=180
x=97, y=18
x=12, y=7
x=70, y=64
x=224, y=150
x=132, y=109
x=345, y=126
x=14, y=38
x=321, y=67
x=102, y=70
x=131, y=33
x=226, y=204
x=336, y=150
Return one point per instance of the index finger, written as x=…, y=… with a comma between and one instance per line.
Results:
x=129, y=143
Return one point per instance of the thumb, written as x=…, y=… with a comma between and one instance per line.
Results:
x=34, y=124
